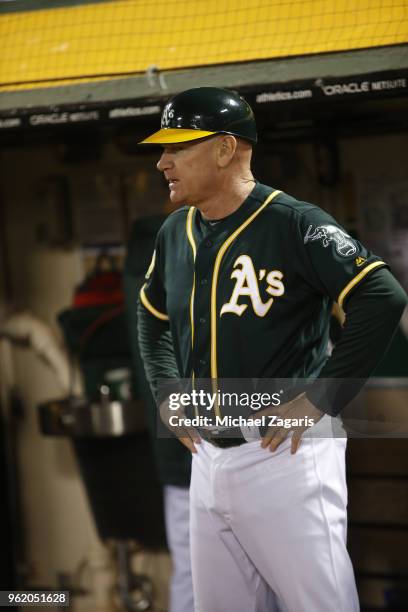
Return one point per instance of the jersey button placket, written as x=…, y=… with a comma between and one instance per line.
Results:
x=203, y=267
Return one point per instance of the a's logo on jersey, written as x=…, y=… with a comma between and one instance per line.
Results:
x=359, y=261
x=246, y=284
x=344, y=244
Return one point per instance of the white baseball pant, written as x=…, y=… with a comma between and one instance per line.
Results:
x=176, y=512
x=268, y=530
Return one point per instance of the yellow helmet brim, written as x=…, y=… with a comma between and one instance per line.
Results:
x=175, y=135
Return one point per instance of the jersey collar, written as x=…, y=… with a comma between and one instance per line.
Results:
x=228, y=224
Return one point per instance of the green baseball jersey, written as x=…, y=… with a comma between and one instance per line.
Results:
x=251, y=295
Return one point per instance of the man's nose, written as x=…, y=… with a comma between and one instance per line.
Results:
x=164, y=162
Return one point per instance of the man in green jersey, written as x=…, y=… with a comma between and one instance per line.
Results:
x=241, y=285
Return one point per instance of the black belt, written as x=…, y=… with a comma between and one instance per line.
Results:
x=234, y=437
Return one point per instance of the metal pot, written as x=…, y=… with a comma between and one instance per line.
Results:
x=77, y=417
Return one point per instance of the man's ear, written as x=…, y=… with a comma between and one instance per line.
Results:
x=226, y=150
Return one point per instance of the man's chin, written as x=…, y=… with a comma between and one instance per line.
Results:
x=176, y=198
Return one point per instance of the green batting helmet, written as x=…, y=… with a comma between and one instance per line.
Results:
x=204, y=111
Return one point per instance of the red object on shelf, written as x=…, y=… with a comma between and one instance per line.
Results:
x=103, y=288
